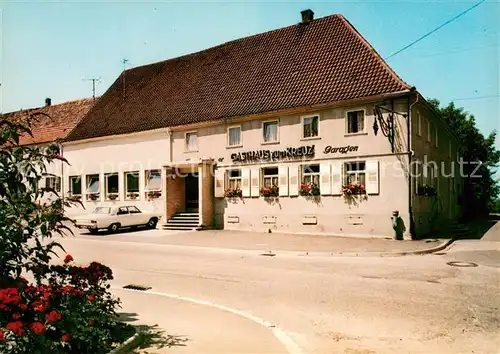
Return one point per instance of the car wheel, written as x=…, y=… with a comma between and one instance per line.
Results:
x=113, y=228
x=152, y=223
x=93, y=232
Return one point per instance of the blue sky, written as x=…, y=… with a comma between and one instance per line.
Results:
x=49, y=47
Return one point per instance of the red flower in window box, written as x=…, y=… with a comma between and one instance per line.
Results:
x=353, y=189
x=233, y=193
x=273, y=191
x=309, y=189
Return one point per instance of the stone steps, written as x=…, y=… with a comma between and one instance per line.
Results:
x=183, y=222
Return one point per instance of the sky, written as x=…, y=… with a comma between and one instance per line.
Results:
x=50, y=49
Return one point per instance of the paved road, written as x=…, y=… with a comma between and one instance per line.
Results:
x=411, y=304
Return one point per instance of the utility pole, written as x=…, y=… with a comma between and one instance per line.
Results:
x=94, y=80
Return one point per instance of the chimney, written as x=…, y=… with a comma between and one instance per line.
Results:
x=48, y=102
x=307, y=16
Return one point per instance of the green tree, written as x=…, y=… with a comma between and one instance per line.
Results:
x=481, y=192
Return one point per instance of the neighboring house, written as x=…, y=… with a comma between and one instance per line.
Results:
x=274, y=116
x=49, y=124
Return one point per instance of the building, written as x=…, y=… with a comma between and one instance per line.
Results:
x=306, y=123
x=49, y=124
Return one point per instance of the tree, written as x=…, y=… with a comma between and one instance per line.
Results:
x=480, y=193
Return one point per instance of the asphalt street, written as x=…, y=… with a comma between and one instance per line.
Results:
x=239, y=301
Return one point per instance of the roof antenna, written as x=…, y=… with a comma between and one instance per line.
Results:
x=124, y=61
x=94, y=80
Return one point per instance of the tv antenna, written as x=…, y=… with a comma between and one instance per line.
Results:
x=94, y=80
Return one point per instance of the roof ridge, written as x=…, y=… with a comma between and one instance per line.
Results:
x=52, y=105
x=232, y=41
x=386, y=66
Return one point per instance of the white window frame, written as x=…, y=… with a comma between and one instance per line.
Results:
x=106, y=188
x=88, y=178
x=419, y=123
x=302, y=119
x=429, y=130
x=241, y=136
x=275, y=176
x=347, y=172
x=186, y=147
x=127, y=192
x=236, y=179
x=277, y=121
x=55, y=183
x=71, y=193
x=310, y=174
x=155, y=192
x=347, y=121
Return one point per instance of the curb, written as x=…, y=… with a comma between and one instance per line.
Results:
x=129, y=344
x=425, y=251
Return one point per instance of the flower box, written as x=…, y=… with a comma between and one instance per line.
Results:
x=353, y=189
x=267, y=192
x=93, y=196
x=132, y=195
x=309, y=189
x=233, y=193
x=153, y=194
x=74, y=197
x=112, y=196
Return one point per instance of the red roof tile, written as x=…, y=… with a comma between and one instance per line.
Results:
x=55, y=123
x=323, y=62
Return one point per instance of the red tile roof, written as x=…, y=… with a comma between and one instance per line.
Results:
x=301, y=65
x=55, y=123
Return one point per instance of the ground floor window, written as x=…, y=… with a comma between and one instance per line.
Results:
x=132, y=185
x=153, y=184
x=354, y=177
x=53, y=182
x=270, y=177
x=111, y=185
x=75, y=186
x=310, y=180
x=234, y=179
x=93, y=187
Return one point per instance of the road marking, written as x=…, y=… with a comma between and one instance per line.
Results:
x=280, y=334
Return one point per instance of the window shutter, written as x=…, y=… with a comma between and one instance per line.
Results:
x=325, y=179
x=245, y=182
x=372, y=180
x=254, y=182
x=283, y=180
x=219, y=183
x=293, y=180
x=337, y=178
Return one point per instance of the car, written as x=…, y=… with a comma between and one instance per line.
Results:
x=115, y=218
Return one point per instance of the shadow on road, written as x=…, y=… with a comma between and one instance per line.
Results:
x=154, y=338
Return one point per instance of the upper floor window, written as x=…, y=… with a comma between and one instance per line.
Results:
x=234, y=179
x=132, y=185
x=270, y=131
x=436, y=137
x=419, y=124
x=234, y=136
x=310, y=127
x=111, y=184
x=192, y=141
x=355, y=122
x=270, y=177
x=429, y=131
x=75, y=185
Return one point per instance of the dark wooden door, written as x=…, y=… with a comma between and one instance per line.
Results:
x=192, y=192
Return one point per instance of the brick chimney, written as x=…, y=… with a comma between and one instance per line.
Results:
x=307, y=16
x=48, y=102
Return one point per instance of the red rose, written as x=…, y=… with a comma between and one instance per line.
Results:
x=68, y=258
x=38, y=306
x=53, y=316
x=91, y=297
x=16, y=316
x=65, y=337
x=16, y=327
x=91, y=322
x=2, y=336
x=23, y=307
x=38, y=327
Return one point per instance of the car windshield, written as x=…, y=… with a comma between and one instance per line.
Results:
x=101, y=210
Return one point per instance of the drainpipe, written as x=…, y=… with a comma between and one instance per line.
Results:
x=410, y=155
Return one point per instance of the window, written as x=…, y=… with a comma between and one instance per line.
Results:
x=429, y=131
x=234, y=136
x=93, y=187
x=270, y=131
x=234, y=179
x=122, y=211
x=133, y=210
x=355, y=122
x=436, y=136
x=419, y=124
x=53, y=182
x=310, y=174
x=355, y=172
x=310, y=127
x=75, y=185
x=270, y=177
x=192, y=141
x=111, y=186
x=132, y=185
x=153, y=184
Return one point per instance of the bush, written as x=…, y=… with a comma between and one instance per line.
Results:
x=68, y=309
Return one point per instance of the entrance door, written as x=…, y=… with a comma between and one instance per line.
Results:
x=192, y=193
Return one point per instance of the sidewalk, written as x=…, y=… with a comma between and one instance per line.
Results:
x=275, y=242
x=193, y=328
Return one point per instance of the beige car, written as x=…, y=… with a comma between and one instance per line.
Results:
x=115, y=218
